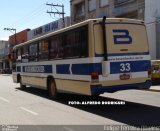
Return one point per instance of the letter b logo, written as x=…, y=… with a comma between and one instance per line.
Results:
x=122, y=37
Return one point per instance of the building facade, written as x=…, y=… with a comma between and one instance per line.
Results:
x=16, y=39
x=147, y=10
x=48, y=28
x=86, y=9
x=4, y=51
x=152, y=19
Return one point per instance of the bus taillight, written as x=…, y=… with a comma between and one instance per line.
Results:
x=149, y=72
x=94, y=77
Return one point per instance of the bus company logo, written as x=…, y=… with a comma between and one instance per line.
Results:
x=34, y=69
x=122, y=37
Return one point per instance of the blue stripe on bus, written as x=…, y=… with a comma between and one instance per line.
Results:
x=134, y=66
x=115, y=67
x=86, y=69
x=62, y=69
x=79, y=69
x=38, y=69
x=124, y=54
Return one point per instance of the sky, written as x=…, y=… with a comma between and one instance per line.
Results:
x=24, y=14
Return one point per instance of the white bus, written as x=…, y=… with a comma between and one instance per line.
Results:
x=90, y=58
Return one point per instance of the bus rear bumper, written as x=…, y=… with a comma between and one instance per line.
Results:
x=99, y=89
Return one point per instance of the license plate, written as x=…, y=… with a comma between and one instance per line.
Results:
x=125, y=76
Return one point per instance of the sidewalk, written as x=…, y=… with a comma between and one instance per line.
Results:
x=155, y=88
x=6, y=74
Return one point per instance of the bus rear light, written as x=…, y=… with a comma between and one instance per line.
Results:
x=149, y=72
x=94, y=77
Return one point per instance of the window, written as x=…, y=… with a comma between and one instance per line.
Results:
x=43, y=50
x=104, y=3
x=92, y=5
x=70, y=49
x=14, y=55
x=18, y=55
x=121, y=2
x=33, y=52
x=76, y=43
x=80, y=10
x=83, y=38
x=25, y=53
x=56, y=48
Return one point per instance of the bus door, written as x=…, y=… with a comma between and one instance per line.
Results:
x=126, y=47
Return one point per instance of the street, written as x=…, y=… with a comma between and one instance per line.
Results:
x=33, y=107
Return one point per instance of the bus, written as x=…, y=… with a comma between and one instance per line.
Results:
x=89, y=58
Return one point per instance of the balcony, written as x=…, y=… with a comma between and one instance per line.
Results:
x=126, y=7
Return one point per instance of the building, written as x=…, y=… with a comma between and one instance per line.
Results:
x=147, y=10
x=16, y=39
x=4, y=51
x=152, y=19
x=86, y=9
x=48, y=28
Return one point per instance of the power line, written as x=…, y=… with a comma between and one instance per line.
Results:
x=30, y=16
x=57, y=11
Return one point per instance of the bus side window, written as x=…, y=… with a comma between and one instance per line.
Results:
x=14, y=60
x=71, y=44
x=76, y=43
x=25, y=54
x=43, y=50
x=84, y=41
x=18, y=55
x=33, y=52
x=56, y=48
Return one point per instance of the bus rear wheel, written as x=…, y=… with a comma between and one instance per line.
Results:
x=52, y=89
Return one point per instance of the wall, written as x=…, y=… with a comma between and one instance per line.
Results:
x=20, y=38
x=4, y=50
x=152, y=10
x=158, y=37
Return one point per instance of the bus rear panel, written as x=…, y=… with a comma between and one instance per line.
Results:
x=127, y=52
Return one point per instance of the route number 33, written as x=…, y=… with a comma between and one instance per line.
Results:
x=125, y=67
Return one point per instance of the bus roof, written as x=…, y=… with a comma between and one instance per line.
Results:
x=77, y=25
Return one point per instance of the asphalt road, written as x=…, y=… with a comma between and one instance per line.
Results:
x=75, y=112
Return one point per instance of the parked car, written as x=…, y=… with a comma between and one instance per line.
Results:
x=7, y=71
x=155, y=71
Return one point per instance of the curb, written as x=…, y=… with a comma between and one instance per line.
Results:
x=6, y=74
x=154, y=90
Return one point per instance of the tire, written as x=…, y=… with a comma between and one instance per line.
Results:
x=52, y=90
x=21, y=85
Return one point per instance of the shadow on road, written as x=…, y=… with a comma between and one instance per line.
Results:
x=131, y=113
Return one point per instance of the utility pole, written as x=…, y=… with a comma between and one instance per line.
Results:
x=10, y=55
x=12, y=29
x=57, y=12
